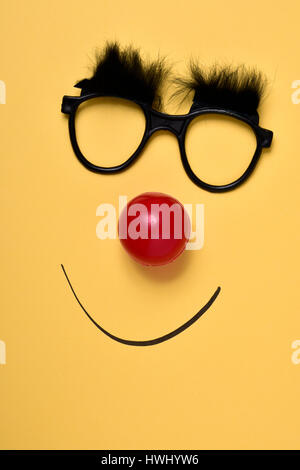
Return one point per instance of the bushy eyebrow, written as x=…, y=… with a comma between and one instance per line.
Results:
x=237, y=88
x=123, y=72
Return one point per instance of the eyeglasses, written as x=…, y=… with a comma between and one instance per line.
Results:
x=153, y=120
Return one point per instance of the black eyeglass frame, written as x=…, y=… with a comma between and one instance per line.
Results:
x=178, y=125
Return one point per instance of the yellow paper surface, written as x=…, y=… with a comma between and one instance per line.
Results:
x=229, y=381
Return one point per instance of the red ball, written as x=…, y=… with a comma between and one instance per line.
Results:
x=154, y=228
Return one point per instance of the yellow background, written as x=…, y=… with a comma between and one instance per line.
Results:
x=228, y=381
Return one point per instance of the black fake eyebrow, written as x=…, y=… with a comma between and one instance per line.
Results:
x=238, y=89
x=124, y=73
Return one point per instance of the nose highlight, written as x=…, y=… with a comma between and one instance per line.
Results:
x=161, y=121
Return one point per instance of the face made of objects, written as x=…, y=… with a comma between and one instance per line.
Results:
x=222, y=102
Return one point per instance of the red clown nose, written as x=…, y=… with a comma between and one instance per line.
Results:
x=154, y=228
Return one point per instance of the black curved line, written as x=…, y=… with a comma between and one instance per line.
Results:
x=150, y=342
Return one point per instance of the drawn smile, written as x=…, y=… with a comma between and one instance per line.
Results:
x=150, y=342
